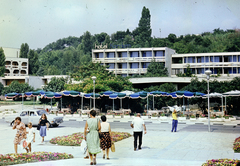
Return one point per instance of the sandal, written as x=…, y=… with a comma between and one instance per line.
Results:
x=87, y=157
x=94, y=161
x=104, y=156
x=108, y=158
x=91, y=163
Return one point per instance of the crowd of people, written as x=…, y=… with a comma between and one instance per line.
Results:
x=97, y=134
x=27, y=137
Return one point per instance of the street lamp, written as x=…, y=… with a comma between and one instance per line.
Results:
x=94, y=78
x=208, y=72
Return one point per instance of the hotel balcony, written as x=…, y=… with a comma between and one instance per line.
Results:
x=130, y=59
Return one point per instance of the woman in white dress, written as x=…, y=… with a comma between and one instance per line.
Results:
x=30, y=137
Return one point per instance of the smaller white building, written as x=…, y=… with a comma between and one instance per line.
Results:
x=14, y=65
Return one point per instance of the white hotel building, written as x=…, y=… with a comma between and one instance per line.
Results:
x=130, y=61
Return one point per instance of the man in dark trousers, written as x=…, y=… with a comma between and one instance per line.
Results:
x=138, y=125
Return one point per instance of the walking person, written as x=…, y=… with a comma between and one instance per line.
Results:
x=175, y=121
x=21, y=132
x=105, y=138
x=44, y=126
x=92, y=137
x=138, y=125
x=30, y=137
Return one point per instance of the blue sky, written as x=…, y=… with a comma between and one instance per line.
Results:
x=41, y=22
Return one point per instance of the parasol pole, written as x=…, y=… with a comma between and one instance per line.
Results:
x=153, y=102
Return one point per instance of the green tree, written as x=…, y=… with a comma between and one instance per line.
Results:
x=17, y=87
x=24, y=50
x=156, y=69
x=33, y=62
x=1, y=89
x=2, y=62
x=144, y=30
x=188, y=72
x=87, y=42
x=105, y=80
x=56, y=84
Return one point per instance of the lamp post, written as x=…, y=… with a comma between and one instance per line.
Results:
x=208, y=72
x=94, y=78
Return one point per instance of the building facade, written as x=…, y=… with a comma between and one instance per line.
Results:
x=14, y=65
x=131, y=61
x=224, y=63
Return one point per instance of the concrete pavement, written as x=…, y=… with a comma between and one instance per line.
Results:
x=159, y=147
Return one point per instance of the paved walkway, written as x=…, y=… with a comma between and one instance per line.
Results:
x=159, y=147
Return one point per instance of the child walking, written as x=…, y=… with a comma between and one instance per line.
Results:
x=30, y=137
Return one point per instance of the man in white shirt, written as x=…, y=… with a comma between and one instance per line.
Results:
x=138, y=125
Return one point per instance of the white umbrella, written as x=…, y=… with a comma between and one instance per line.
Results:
x=215, y=95
x=230, y=93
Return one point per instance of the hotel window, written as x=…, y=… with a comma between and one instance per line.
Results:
x=110, y=55
x=217, y=59
x=122, y=66
x=211, y=58
x=239, y=70
x=234, y=70
x=145, y=64
x=238, y=58
x=122, y=54
x=200, y=71
x=124, y=75
x=185, y=60
x=191, y=59
x=159, y=54
x=100, y=55
x=111, y=65
x=234, y=58
x=147, y=54
x=227, y=58
x=134, y=54
x=134, y=65
x=206, y=58
x=217, y=70
x=227, y=70
x=200, y=59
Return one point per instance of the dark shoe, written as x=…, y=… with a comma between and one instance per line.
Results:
x=87, y=157
x=108, y=158
x=91, y=163
x=135, y=149
x=139, y=148
x=94, y=161
x=104, y=156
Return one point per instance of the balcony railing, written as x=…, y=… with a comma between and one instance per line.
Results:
x=131, y=71
x=130, y=59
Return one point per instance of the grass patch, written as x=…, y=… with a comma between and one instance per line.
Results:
x=75, y=139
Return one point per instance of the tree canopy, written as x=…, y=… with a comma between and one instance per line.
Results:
x=156, y=69
x=17, y=87
x=24, y=50
x=105, y=79
x=2, y=62
x=56, y=84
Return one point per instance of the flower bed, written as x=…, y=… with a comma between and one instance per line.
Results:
x=22, y=158
x=236, y=145
x=76, y=138
x=228, y=162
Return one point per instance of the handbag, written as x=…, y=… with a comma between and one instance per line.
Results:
x=83, y=147
x=38, y=127
x=113, y=147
